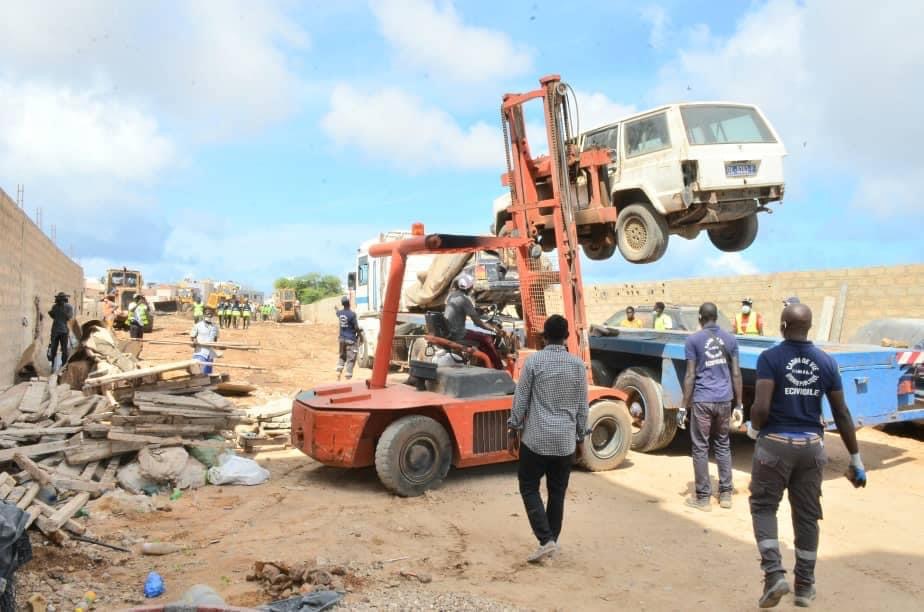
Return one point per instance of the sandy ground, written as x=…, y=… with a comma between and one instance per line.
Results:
x=628, y=539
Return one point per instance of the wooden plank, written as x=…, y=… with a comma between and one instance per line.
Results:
x=109, y=474
x=38, y=474
x=34, y=397
x=71, y=525
x=165, y=399
x=160, y=429
x=53, y=397
x=10, y=401
x=28, y=497
x=76, y=484
x=16, y=494
x=69, y=509
x=217, y=345
x=837, y=321
x=5, y=489
x=158, y=441
x=141, y=373
x=214, y=399
x=183, y=412
x=33, y=513
x=89, y=470
x=38, y=431
x=33, y=450
x=86, y=450
x=823, y=322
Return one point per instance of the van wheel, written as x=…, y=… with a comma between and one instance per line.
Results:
x=735, y=235
x=610, y=436
x=645, y=407
x=641, y=233
x=413, y=455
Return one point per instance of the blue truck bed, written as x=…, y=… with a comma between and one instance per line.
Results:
x=871, y=375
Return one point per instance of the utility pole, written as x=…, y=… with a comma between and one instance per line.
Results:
x=20, y=191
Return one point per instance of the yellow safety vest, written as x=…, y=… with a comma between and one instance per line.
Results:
x=142, y=311
x=663, y=322
x=751, y=326
x=197, y=310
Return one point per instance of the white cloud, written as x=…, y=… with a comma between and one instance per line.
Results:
x=435, y=39
x=394, y=125
x=840, y=80
x=49, y=132
x=597, y=109
x=655, y=16
x=730, y=264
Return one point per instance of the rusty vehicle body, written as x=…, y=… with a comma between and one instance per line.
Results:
x=412, y=433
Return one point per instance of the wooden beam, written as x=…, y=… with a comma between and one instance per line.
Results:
x=217, y=345
x=141, y=373
x=20, y=432
x=69, y=509
x=71, y=525
x=81, y=450
x=184, y=412
x=166, y=399
x=35, y=471
x=159, y=429
x=33, y=450
x=159, y=441
x=28, y=497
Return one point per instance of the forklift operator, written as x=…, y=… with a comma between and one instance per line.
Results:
x=460, y=305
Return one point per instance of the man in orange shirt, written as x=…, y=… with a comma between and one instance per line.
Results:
x=747, y=322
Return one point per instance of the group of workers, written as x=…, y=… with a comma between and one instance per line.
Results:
x=747, y=321
x=234, y=312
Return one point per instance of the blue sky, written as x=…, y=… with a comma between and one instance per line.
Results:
x=245, y=141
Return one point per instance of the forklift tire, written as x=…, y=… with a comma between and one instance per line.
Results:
x=610, y=436
x=643, y=399
x=413, y=455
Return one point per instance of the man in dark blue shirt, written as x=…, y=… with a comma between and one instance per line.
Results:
x=787, y=421
x=711, y=385
x=349, y=334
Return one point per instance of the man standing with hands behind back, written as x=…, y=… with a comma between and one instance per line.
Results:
x=786, y=420
x=550, y=415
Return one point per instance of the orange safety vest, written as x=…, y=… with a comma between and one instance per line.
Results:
x=751, y=328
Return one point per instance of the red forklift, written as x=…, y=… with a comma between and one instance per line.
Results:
x=413, y=431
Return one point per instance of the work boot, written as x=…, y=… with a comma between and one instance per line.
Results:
x=805, y=593
x=545, y=550
x=775, y=586
x=725, y=500
x=700, y=504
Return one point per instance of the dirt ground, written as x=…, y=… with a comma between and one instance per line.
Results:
x=628, y=541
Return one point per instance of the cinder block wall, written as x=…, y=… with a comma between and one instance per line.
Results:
x=32, y=271
x=872, y=293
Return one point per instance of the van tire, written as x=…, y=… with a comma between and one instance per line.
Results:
x=643, y=399
x=735, y=235
x=641, y=233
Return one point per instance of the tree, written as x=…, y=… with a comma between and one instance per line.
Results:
x=311, y=287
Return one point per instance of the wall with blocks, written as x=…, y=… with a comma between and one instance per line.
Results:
x=32, y=271
x=871, y=293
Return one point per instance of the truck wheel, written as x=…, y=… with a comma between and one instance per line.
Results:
x=641, y=233
x=602, y=376
x=365, y=359
x=610, y=436
x=735, y=235
x=645, y=407
x=413, y=455
x=601, y=244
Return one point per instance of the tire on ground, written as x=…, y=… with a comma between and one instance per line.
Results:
x=735, y=235
x=610, y=436
x=641, y=233
x=645, y=406
x=413, y=455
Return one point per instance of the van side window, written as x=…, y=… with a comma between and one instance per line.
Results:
x=363, y=271
x=647, y=135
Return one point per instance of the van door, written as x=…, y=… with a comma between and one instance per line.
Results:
x=362, y=284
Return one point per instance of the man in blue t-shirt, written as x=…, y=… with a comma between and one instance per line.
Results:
x=711, y=385
x=349, y=334
x=787, y=421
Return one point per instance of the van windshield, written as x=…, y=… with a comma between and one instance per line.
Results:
x=724, y=125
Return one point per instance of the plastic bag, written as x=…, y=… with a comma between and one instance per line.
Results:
x=232, y=469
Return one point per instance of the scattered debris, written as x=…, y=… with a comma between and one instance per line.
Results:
x=282, y=579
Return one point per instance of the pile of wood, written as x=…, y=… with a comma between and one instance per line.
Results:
x=181, y=377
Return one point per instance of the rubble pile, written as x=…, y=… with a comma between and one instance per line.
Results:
x=284, y=579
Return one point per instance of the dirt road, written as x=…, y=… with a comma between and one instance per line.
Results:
x=628, y=542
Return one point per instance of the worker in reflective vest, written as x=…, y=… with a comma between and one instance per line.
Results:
x=198, y=310
x=748, y=322
x=235, y=313
x=139, y=318
x=246, y=312
x=660, y=320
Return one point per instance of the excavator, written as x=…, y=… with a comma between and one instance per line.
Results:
x=455, y=415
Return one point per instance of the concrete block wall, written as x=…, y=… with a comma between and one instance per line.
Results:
x=32, y=271
x=872, y=293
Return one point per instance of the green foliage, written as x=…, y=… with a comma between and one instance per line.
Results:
x=311, y=287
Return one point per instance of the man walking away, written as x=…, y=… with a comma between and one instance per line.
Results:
x=198, y=311
x=549, y=418
x=60, y=313
x=630, y=321
x=786, y=420
x=139, y=318
x=712, y=382
x=349, y=333
x=235, y=312
x=204, y=330
x=661, y=321
x=747, y=322
x=246, y=312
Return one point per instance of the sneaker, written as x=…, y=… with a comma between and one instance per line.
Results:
x=805, y=593
x=700, y=504
x=545, y=550
x=775, y=586
x=725, y=500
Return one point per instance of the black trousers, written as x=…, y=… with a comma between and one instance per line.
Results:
x=544, y=520
x=56, y=341
x=136, y=331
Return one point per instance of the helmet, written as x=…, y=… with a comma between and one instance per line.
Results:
x=747, y=300
x=464, y=282
x=345, y=300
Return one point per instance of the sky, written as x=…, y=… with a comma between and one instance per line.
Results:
x=229, y=139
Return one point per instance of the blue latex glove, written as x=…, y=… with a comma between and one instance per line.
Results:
x=856, y=473
x=154, y=585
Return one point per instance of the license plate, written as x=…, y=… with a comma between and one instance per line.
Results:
x=736, y=170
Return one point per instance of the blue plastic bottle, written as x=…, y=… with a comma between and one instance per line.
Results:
x=154, y=585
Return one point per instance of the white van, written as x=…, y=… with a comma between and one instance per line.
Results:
x=678, y=169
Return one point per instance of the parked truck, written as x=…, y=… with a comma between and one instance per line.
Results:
x=649, y=366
